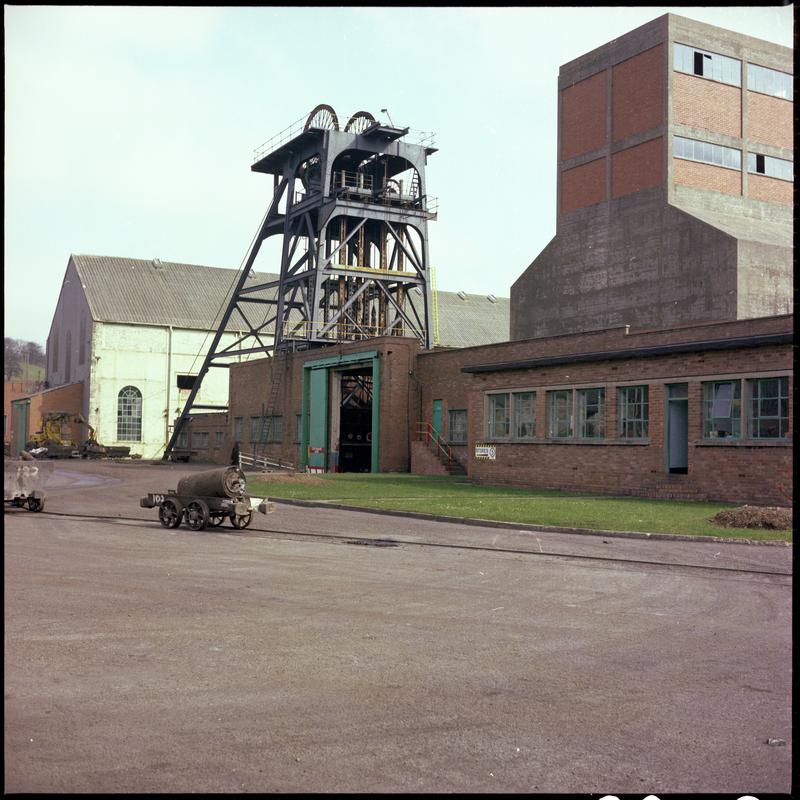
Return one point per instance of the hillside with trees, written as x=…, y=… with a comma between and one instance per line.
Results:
x=23, y=361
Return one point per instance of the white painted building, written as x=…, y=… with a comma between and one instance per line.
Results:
x=134, y=333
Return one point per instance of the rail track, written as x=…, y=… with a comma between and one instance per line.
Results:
x=271, y=533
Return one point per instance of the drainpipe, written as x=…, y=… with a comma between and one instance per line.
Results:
x=169, y=383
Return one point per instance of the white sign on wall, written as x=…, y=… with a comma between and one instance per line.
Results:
x=485, y=452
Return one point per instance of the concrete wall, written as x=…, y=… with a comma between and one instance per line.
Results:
x=636, y=262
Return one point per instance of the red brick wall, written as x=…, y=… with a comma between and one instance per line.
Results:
x=250, y=386
x=637, y=168
x=11, y=391
x=769, y=120
x=706, y=104
x=760, y=187
x=707, y=176
x=583, y=186
x=583, y=116
x=65, y=398
x=743, y=471
x=637, y=87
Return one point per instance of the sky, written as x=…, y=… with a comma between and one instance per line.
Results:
x=130, y=131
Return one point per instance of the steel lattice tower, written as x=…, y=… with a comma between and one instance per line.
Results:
x=352, y=208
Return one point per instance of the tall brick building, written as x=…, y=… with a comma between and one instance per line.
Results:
x=675, y=185
x=651, y=341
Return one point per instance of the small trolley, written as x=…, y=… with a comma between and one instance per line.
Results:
x=207, y=499
x=23, y=482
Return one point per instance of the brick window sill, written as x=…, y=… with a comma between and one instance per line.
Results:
x=574, y=441
x=726, y=442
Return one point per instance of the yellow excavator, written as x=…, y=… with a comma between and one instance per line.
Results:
x=52, y=441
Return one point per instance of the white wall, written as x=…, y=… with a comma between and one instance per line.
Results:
x=141, y=356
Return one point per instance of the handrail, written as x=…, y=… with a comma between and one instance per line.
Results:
x=252, y=460
x=415, y=136
x=426, y=432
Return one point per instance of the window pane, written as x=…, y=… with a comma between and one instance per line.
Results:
x=590, y=411
x=524, y=415
x=633, y=412
x=498, y=416
x=129, y=415
x=723, y=397
x=721, y=409
x=559, y=414
x=769, y=407
x=457, y=426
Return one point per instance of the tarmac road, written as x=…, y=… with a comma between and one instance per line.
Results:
x=139, y=659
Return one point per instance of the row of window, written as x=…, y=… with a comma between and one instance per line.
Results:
x=513, y=414
x=717, y=154
x=767, y=404
x=729, y=70
x=580, y=413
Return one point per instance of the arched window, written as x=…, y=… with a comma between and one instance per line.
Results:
x=129, y=415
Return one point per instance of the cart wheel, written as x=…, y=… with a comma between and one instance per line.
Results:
x=35, y=503
x=215, y=522
x=197, y=515
x=169, y=513
x=241, y=521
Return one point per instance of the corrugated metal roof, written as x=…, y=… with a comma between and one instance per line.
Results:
x=148, y=292
x=140, y=292
x=473, y=320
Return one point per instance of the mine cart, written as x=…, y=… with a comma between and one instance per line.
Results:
x=207, y=498
x=23, y=482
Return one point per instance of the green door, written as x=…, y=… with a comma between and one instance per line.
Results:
x=19, y=426
x=318, y=418
x=437, y=417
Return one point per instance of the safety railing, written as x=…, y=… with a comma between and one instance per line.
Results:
x=414, y=136
x=262, y=462
x=426, y=433
x=343, y=330
x=345, y=179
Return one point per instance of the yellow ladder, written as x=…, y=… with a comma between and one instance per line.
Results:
x=434, y=307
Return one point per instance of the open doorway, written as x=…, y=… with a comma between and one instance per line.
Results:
x=355, y=419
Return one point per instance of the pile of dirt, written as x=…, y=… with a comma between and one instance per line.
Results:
x=289, y=477
x=772, y=518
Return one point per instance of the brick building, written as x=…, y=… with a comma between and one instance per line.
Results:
x=650, y=348
x=675, y=185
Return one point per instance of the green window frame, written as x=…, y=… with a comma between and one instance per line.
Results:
x=633, y=412
x=559, y=414
x=498, y=420
x=722, y=409
x=238, y=424
x=768, y=416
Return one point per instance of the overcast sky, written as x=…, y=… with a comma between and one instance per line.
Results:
x=129, y=131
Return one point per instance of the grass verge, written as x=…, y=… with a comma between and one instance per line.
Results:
x=458, y=498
